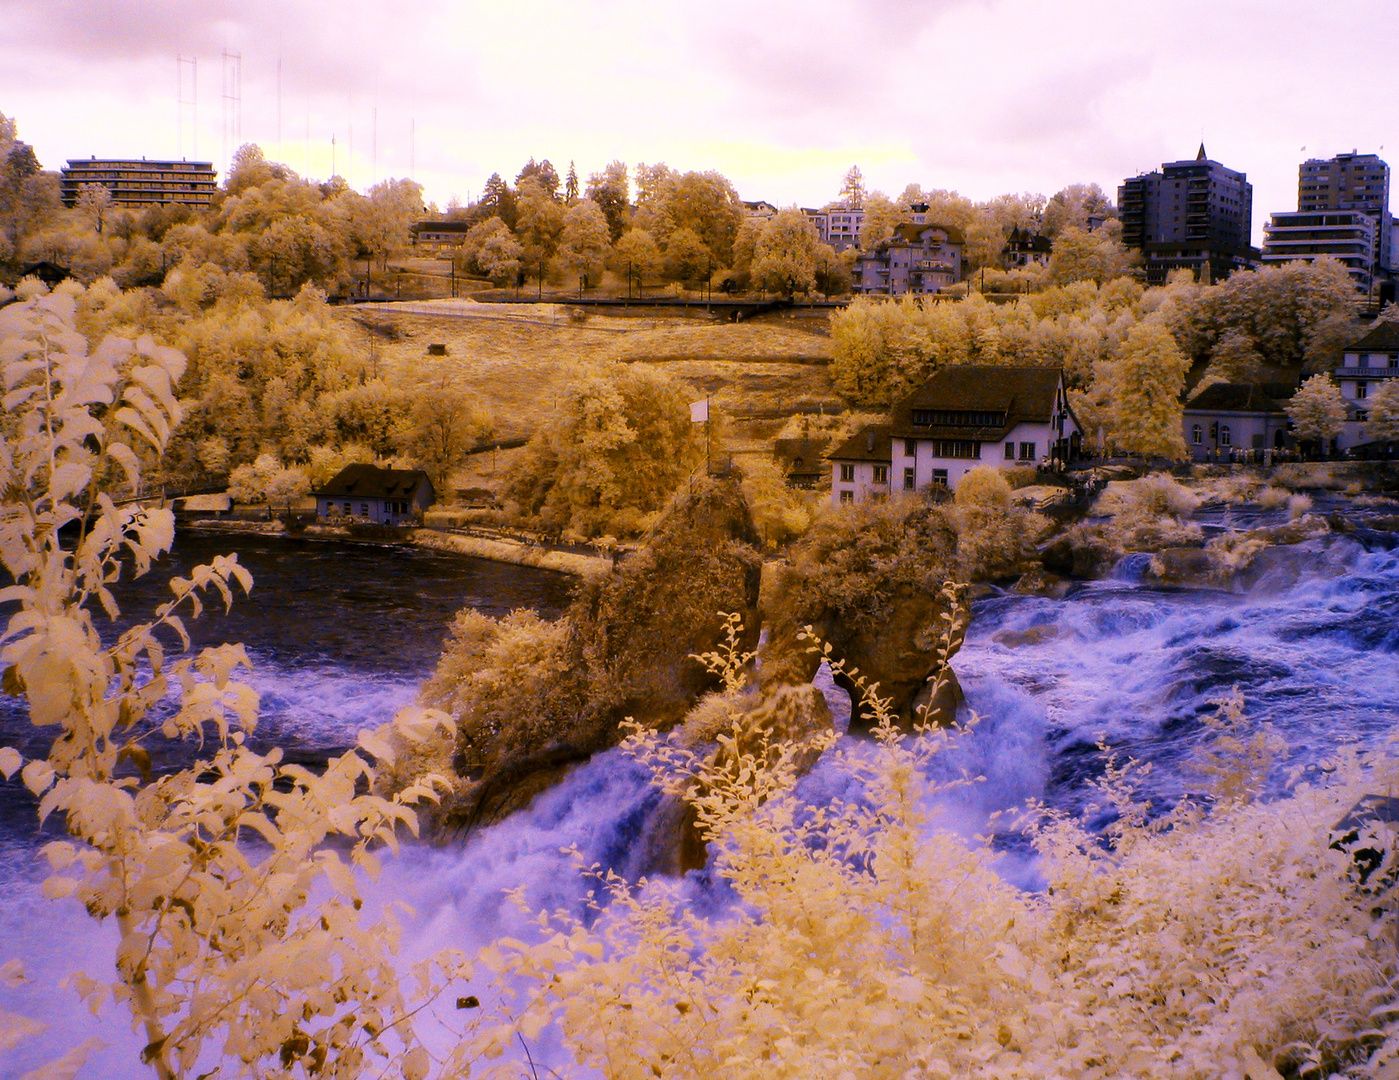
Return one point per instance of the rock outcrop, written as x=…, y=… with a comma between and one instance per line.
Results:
x=631, y=636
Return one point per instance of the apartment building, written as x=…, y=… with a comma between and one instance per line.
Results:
x=140, y=183
x=1193, y=214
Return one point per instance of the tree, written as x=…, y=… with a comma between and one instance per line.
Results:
x=706, y=204
x=542, y=173
x=1072, y=206
x=1141, y=389
x=637, y=253
x=611, y=453
x=583, y=244
x=250, y=168
x=1235, y=357
x=538, y=225
x=609, y=189
x=1084, y=256
x=852, y=189
x=571, y=186
x=497, y=197
x=499, y=258
x=881, y=216
x=785, y=255
x=995, y=538
x=219, y=956
x=1317, y=411
x=94, y=203
x=379, y=222
x=267, y=480
x=1296, y=314
x=687, y=258
x=446, y=421
x=468, y=256
x=26, y=199
x=1382, y=409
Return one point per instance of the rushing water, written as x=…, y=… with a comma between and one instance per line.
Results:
x=341, y=637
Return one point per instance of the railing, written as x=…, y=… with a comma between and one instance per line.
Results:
x=1366, y=372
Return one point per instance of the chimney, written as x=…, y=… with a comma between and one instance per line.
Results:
x=869, y=441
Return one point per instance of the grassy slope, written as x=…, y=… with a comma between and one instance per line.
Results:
x=516, y=356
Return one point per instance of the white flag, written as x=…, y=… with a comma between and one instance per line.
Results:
x=699, y=411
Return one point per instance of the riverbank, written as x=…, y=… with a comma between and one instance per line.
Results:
x=477, y=547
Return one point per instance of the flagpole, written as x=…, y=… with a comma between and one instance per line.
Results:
x=708, y=463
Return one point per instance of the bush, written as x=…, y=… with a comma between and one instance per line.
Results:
x=995, y=539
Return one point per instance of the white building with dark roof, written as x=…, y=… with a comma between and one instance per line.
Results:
x=1226, y=418
x=369, y=493
x=1366, y=365
x=962, y=417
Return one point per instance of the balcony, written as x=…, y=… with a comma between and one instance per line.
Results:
x=1365, y=373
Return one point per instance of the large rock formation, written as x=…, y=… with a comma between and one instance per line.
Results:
x=625, y=651
x=871, y=585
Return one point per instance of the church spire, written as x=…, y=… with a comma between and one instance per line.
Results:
x=1202, y=156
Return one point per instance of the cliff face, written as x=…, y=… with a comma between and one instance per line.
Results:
x=870, y=584
x=627, y=652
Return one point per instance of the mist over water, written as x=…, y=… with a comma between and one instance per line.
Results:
x=1311, y=646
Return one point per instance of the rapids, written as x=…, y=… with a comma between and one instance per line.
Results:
x=1311, y=646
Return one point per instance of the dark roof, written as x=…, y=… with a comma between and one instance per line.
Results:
x=1022, y=393
x=1237, y=397
x=372, y=482
x=1382, y=336
x=801, y=455
x=867, y=444
x=910, y=233
x=1027, y=240
x=441, y=226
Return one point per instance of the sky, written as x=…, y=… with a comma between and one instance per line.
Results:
x=978, y=96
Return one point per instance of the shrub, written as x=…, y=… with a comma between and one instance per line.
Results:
x=995, y=539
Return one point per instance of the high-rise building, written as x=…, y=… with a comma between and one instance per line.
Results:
x=1351, y=181
x=1348, y=236
x=142, y=183
x=1192, y=214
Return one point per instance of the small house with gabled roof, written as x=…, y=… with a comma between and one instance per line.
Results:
x=962, y=417
x=1024, y=248
x=370, y=493
x=1225, y=418
x=803, y=460
x=860, y=466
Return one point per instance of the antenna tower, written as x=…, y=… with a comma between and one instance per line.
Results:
x=280, y=154
x=187, y=100
x=232, y=105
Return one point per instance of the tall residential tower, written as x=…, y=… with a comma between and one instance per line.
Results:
x=1192, y=214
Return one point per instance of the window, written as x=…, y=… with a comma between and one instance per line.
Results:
x=364, y=509
x=1027, y=451
x=847, y=473
x=939, y=478
x=1362, y=390
x=347, y=509
x=1197, y=434
x=908, y=479
x=910, y=448
x=1226, y=438
x=1362, y=415
x=881, y=474
x=847, y=497
x=1010, y=451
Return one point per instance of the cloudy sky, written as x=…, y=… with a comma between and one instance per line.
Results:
x=782, y=96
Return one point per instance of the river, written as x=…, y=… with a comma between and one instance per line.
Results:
x=341, y=636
